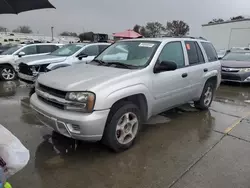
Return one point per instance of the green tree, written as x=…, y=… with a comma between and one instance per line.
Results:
x=154, y=29
x=137, y=28
x=177, y=28
x=23, y=29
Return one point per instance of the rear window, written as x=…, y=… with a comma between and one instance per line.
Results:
x=210, y=51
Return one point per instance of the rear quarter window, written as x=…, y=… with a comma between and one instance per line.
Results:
x=210, y=51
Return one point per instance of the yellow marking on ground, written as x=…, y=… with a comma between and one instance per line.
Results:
x=235, y=123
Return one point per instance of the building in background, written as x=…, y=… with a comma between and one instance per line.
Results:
x=228, y=34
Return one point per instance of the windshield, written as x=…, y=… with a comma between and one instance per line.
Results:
x=234, y=56
x=134, y=53
x=67, y=50
x=11, y=50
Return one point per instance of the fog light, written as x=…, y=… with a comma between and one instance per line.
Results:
x=247, y=79
x=74, y=128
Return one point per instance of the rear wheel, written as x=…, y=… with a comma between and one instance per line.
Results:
x=122, y=127
x=7, y=73
x=206, y=97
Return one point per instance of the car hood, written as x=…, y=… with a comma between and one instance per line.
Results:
x=41, y=59
x=236, y=64
x=6, y=58
x=81, y=77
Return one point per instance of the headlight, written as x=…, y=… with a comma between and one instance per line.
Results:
x=35, y=70
x=84, y=101
x=245, y=70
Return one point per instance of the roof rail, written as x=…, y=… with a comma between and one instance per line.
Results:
x=191, y=37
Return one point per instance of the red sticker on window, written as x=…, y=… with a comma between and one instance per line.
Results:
x=188, y=46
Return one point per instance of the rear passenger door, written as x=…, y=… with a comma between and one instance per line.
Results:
x=195, y=67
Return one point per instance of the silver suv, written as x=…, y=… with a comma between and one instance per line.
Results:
x=111, y=97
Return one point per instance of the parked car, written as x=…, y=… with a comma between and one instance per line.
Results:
x=8, y=58
x=221, y=53
x=110, y=97
x=236, y=66
x=30, y=68
x=5, y=47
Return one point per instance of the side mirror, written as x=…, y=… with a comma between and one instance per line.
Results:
x=165, y=66
x=80, y=56
x=21, y=54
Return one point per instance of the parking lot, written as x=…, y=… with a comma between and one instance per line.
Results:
x=180, y=148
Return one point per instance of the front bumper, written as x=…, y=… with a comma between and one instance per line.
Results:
x=75, y=125
x=239, y=77
x=27, y=78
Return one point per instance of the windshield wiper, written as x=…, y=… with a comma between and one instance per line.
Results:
x=99, y=61
x=120, y=64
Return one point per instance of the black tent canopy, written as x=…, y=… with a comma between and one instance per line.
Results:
x=18, y=6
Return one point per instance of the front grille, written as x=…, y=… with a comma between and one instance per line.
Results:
x=60, y=106
x=25, y=69
x=231, y=77
x=52, y=91
x=229, y=69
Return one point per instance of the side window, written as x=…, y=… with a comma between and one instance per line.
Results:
x=102, y=48
x=173, y=52
x=195, y=55
x=54, y=48
x=44, y=49
x=29, y=50
x=91, y=50
x=210, y=51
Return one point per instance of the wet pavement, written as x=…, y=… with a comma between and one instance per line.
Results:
x=181, y=148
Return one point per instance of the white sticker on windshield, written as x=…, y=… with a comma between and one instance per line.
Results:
x=148, y=45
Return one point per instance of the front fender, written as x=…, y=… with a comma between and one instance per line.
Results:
x=56, y=66
x=109, y=100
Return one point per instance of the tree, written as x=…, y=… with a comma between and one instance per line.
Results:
x=154, y=29
x=87, y=36
x=237, y=18
x=144, y=32
x=219, y=20
x=177, y=28
x=3, y=29
x=67, y=33
x=137, y=28
x=23, y=29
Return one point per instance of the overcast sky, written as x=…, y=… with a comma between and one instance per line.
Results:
x=117, y=15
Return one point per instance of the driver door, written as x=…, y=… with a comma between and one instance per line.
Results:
x=169, y=87
x=28, y=51
x=91, y=51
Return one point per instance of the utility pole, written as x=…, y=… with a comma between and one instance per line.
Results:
x=52, y=33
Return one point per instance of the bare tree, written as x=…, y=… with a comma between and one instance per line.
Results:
x=177, y=28
x=67, y=33
x=23, y=29
x=3, y=29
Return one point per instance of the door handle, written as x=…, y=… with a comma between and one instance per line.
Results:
x=184, y=75
x=205, y=70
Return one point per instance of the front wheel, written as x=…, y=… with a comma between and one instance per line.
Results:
x=206, y=97
x=122, y=126
x=7, y=73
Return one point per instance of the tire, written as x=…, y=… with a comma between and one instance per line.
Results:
x=123, y=125
x=7, y=73
x=206, y=96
